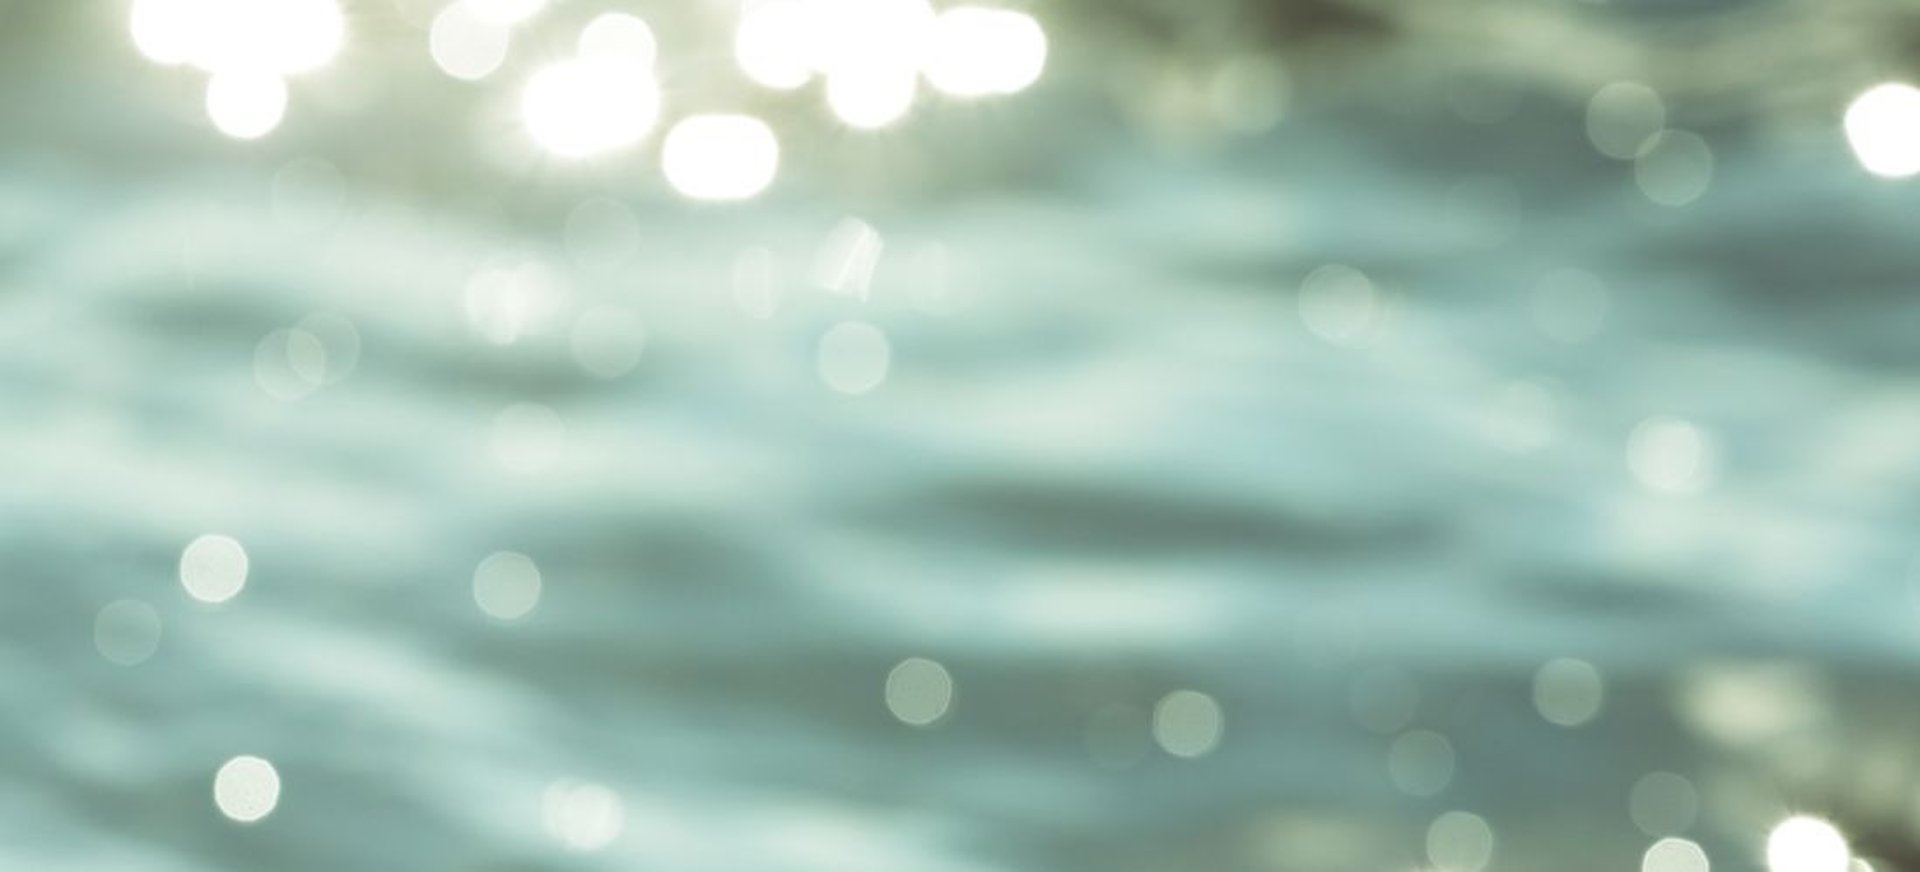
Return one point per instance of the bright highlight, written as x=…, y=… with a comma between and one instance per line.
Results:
x=1883, y=126
x=720, y=157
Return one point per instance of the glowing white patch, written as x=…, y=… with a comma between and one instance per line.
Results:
x=1670, y=455
x=582, y=108
x=720, y=157
x=465, y=45
x=246, y=789
x=246, y=105
x=166, y=31
x=257, y=37
x=213, y=568
x=1568, y=692
x=126, y=632
x=1883, y=126
x=619, y=37
x=1807, y=844
x=1459, y=841
x=1622, y=116
x=919, y=691
x=975, y=52
x=506, y=585
x=774, y=44
x=1674, y=855
x=1188, y=723
x=583, y=817
x=871, y=97
x=854, y=357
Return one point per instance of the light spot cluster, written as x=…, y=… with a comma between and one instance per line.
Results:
x=606, y=97
x=247, y=49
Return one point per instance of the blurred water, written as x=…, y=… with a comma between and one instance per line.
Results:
x=1132, y=472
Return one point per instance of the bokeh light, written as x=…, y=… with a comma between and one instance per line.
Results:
x=1671, y=455
x=1807, y=844
x=1568, y=692
x=854, y=357
x=126, y=632
x=246, y=105
x=919, y=691
x=976, y=52
x=1459, y=841
x=583, y=816
x=465, y=45
x=507, y=585
x=1188, y=723
x=282, y=37
x=213, y=568
x=1622, y=117
x=246, y=789
x=774, y=43
x=580, y=108
x=720, y=157
x=617, y=37
x=1883, y=127
x=1674, y=855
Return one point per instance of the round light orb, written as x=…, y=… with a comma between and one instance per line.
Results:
x=506, y=586
x=774, y=44
x=1807, y=844
x=583, y=817
x=1883, y=126
x=1421, y=763
x=213, y=568
x=126, y=632
x=1188, y=723
x=720, y=157
x=1568, y=692
x=246, y=789
x=1670, y=455
x=919, y=691
x=263, y=36
x=246, y=105
x=1674, y=855
x=1459, y=841
x=1674, y=168
x=465, y=45
x=976, y=52
x=1622, y=116
x=585, y=107
x=871, y=97
x=166, y=31
x=854, y=357
x=620, y=38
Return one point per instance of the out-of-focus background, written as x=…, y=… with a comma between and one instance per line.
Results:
x=1308, y=435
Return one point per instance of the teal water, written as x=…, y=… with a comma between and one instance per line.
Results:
x=1229, y=566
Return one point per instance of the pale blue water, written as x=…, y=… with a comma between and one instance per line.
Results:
x=1110, y=460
